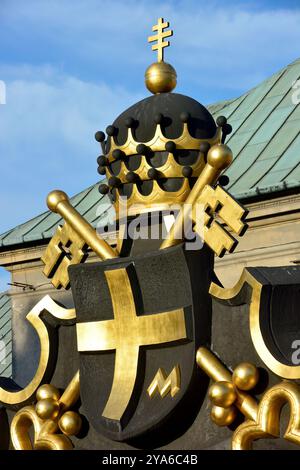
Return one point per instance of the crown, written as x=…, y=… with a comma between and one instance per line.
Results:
x=116, y=162
x=154, y=151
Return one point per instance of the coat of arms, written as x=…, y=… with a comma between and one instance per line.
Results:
x=146, y=296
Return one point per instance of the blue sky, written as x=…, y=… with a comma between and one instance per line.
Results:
x=70, y=67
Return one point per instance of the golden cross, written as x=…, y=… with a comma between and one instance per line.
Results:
x=125, y=334
x=159, y=37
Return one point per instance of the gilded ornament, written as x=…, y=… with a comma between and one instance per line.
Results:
x=219, y=156
x=247, y=279
x=214, y=368
x=34, y=317
x=65, y=248
x=47, y=408
x=267, y=423
x=44, y=419
x=222, y=394
x=59, y=202
x=262, y=418
x=223, y=416
x=70, y=423
x=217, y=202
x=47, y=391
x=55, y=198
x=160, y=77
x=245, y=376
x=164, y=384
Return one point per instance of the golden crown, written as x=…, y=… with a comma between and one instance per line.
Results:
x=162, y=170
x=159, y=143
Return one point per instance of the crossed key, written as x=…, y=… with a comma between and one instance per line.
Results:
x=70, y=243
x=216, y=202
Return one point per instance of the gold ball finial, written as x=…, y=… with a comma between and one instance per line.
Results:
x=54, y=198
x=219, y=156
x=70, y=423
x=223, y=416
x=245, y=376
x=47, y=391
x=160, y=77
x=222, y=394
x=47, y=408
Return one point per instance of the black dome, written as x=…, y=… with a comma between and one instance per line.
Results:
x=174, y=109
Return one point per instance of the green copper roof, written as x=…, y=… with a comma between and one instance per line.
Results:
x=5, y=337
x=89, y=203
x=266, y=136
x=265, y=142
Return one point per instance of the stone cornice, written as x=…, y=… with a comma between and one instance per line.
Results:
x=263, y=213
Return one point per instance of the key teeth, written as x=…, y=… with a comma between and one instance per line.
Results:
x=231, y=212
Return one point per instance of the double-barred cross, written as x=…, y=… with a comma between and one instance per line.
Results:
x=159, y=37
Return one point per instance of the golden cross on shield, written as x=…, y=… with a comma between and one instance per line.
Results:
x=125, y=334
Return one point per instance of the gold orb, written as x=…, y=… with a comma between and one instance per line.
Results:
x=245, y=376
x=47, y=408
x=47, y=391
x=70, y=423
x=222, y=394
x=223, y=416
x=54, y=198
x=160, y=77
x=219, y=156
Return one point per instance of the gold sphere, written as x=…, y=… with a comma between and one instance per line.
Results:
x=223, y=416
x=245, y=376
x=219, y=156
x=47, y=391
x=47, y=408
x=70, y=423
x=222, y=394
x=160, y=77
x=54, y=198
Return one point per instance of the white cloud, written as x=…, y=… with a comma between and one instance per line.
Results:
x=47, y=137
x=229, y=45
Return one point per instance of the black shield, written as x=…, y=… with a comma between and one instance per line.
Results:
x=169, y=294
